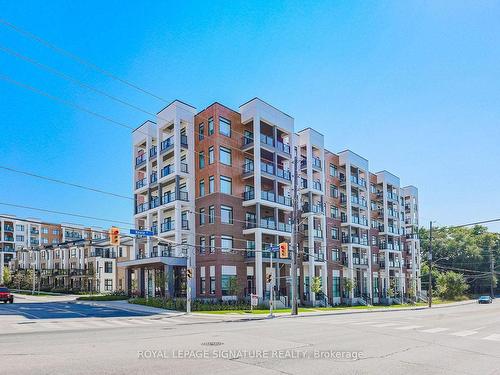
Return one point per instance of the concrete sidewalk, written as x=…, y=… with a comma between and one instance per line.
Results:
x=26, y=298
x=124, y=305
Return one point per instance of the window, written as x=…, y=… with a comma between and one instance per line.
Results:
x=334, y=192
x=210, y=126
x=45, y=240
x=201, y=158
x=226, y=185
x=202, y=216
x=226, y=215
x=73, y=253
x=203, y=286
x=336, y=286
x=54, y=242
x=212, y=284
x=201, y=131
x=202, y=245
x=55, y=232
x=226, y=243
x=211, y=214
x=374, y=258
x=202, y=188
x=212, y=244
x=335, y=255
x=225, y=155
x=19, y=238
x=120, y=252
x=375, y=286
x=20, y=228
x=224, y=126
x=108, y=285
x=227, y=284
x=374, y=240
x=211, y=156
x=211, y=184
x=108, y=267
x=45, y=230
x=334, y=212
x=335, y=233
x=333, y=170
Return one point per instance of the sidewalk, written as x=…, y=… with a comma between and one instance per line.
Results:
x=26, y=298
x=124, y=305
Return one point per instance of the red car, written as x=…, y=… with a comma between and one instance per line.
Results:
x=5, y=295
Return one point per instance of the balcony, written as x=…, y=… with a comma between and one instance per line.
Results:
x=73, y=235
x=34, y=242
x=271, y=196
x=359, y=220
x=316, y=163
x=184, y=141
x=283, y=147
x=317, y=186
x=8, y=228
x=140, y=160
x=358, y=181
x=153, y=177
x=140, y=183
x=247, y=141
x=172, y=196
x=269, y=223
x=154, y=202
x=360, y=201
x=9, y=238
x=316, y=232
x=355, y=240
x=392, y=196
x=34, y=231
x=166, y=145
x=142, y=207
x=167, y=226
x=269, y=168
x=249, y=195
x=153, y=151
x=359, y=261
x=315, y=208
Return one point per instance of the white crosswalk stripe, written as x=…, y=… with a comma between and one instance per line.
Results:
x=383, y=325
x=407, y=328
x=463, y=333
x=494, y=337
x=435, y=330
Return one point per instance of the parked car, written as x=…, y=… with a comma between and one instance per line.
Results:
x=5, y=295
x=484, y=299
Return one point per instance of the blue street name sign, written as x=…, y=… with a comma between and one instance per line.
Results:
x=141, y=232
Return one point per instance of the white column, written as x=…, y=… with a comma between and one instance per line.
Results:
x=258, y=263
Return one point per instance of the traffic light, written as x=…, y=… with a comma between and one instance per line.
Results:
x=189, y=273
x=114, y=236
x=269, y=277
x=284, y=250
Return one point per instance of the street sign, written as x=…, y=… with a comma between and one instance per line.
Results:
x=273, y=248
x=141, y=232
x=254, y=300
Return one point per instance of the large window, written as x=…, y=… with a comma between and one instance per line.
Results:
x=108, y=285
x=201, y=158
x=203, y=286
x=225, y=155
x=335, y=255
x=210, y=126
x=211, y=214
x=228, y=284
x=19, y=228
x=108, y=267
x=224, y=126
x=335, y=233
x=334, y=192
x=202, y=245
x=211, y=185
x=334, y=212
x=226, y=215
x=226, y=243
x=333, y=170
x=201, y=131
x=45, y=230
x=211, y=156
x=202, y=188
x=202, y=216
x=226, y=185
x=212, y=244
x=336, y=286
x=212, y=284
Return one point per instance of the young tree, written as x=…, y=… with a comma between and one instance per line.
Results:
x=349, y=285
x=234, y=287
x=7, y=276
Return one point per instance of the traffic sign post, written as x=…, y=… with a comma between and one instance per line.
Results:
x=271, y=250
x=254, y=301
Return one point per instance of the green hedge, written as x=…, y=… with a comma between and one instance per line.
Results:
x=109, y=297
x=179, y=304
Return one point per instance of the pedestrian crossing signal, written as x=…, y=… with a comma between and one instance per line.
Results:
x=284, y=250
x=189, y=273
x=114, y=236
x=269, y=277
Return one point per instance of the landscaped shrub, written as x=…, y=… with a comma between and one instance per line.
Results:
x=179, y=304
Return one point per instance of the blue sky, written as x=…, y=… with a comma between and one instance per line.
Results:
x=412, y=86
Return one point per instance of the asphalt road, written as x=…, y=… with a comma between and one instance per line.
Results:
x=451, y=340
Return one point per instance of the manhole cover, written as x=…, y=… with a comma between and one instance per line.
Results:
x=212, y=343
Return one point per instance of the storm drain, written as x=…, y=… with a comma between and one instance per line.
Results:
x=212, y=343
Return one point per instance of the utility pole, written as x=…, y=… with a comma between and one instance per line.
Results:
x=492, y=270
x=429, y=297
x=294, y=247
x=34, y=279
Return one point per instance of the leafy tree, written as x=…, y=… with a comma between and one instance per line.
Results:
x=234, y=286
x=349, y=284
x=451, y=285
x=7, y=276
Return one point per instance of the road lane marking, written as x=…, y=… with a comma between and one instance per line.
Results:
x=463, y=333
x=382, y=325
x=435, y=330
x=407, y=328
x=494, y=337
x=364, y=323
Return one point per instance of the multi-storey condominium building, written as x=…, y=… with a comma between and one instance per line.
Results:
x=216, y=188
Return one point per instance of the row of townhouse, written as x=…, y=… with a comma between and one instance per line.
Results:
x=215, y=187
x=78, y=265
